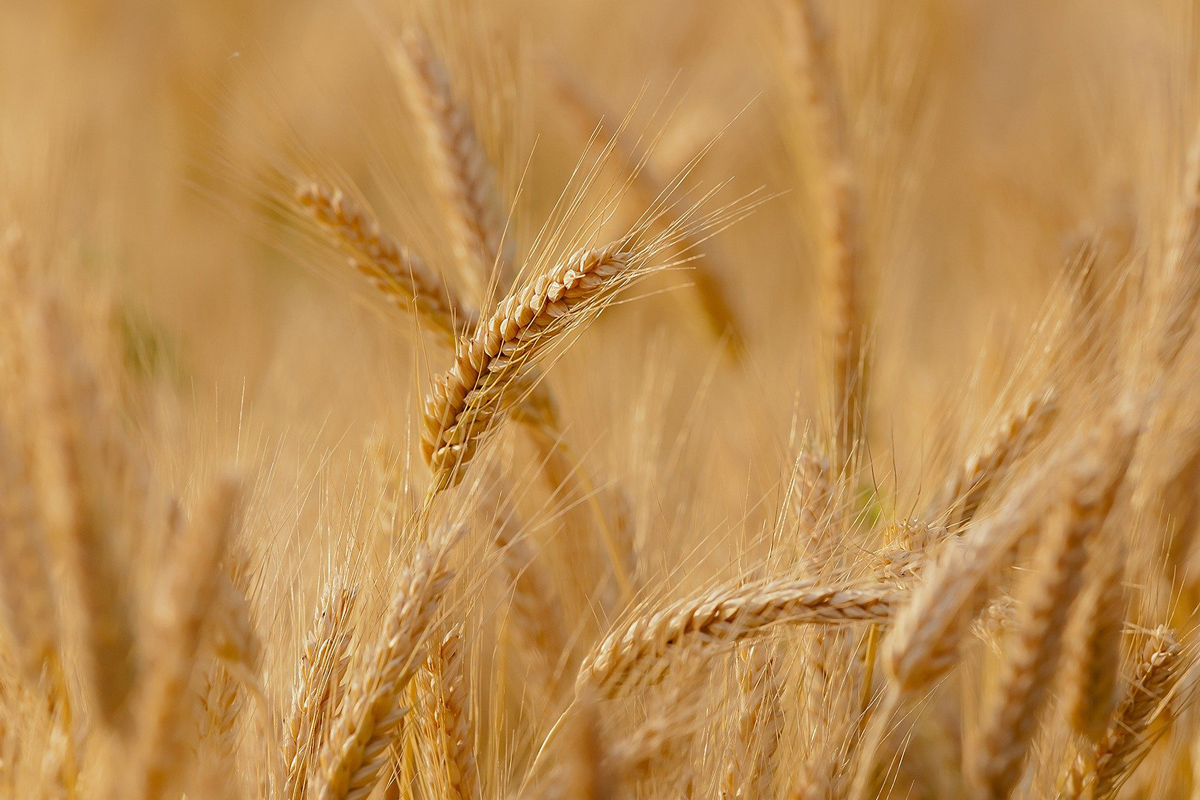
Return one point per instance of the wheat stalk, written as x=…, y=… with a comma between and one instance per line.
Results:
x=26, y=590
x=397, y=272
x=1181, y=288
x=75, y=464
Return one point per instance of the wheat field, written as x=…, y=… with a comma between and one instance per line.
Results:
x=522, y=399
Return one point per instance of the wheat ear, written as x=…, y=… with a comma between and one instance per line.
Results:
x=452, y=716
x=221, y=704
x=926, y=635
x=668, y=730
x=462, y=168
x=582, y=772
x=398, y=273
x=26, y=592
x=1123, y=747
x=637, y=653
x=74, y=464
x=467, y=401
x=191, y=589
x=315, y=691
x=403, y=278
x=842, y=251
x=751, y=769
x=924, y=640
x=1093, y=649
x=1024, y=686
x=358, y=741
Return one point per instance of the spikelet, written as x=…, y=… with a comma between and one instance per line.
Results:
x=354, y=757
x=317, y=687
x=1123, y=747
x=398, y=273
x=842, y=248
x=189, y=594
x=462, y=168
x=1015, y=706
x=468, y=400
x=637, y=653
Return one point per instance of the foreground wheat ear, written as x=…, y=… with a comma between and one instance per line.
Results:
x=468, y=401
